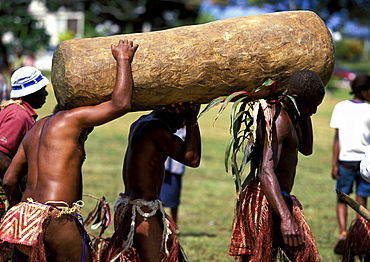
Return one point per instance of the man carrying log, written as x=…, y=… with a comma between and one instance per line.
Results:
x=267, y=218
x=140, y=221
x=43, y=221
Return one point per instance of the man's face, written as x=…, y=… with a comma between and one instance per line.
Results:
x=39, y=98
x=307, y=106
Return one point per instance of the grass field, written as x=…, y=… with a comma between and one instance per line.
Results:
x=208, y=197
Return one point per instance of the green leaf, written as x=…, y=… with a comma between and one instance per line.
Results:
x=248, y=179
x=213, y=103
x=236, y=176
x=268, y=83
x=228, y=100
x=233, y=110
x=294, y=103
x=247, y=151
x=227, y=153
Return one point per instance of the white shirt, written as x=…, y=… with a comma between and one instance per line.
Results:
x=174, y=166
x=352, y=119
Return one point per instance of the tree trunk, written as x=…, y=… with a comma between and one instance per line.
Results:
x=196, y=63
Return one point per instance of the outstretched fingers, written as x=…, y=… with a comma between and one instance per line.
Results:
x=125, y=49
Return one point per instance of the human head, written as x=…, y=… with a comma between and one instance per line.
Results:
x=308, y=89
x=174, y=120
x=29, y=84
x=360, y=85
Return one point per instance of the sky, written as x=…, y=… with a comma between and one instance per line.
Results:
x=240, y=8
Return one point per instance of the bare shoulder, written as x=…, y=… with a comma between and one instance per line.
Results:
x=148, y=124
x=283, y=122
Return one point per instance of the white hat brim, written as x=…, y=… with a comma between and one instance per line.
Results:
x=30, y=89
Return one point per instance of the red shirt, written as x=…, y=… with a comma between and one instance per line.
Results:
x=15, y=121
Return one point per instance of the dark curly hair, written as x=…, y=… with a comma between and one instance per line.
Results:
x=361, y=82
x=306, y=83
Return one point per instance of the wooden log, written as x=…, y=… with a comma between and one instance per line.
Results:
x=198, y=62
x=354, y=205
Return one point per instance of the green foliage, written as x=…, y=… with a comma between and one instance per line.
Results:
x=349, y=49
x=28, y=34
x=241, y=148
x=66, y=35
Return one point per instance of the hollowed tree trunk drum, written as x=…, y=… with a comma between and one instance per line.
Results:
x=196, y=63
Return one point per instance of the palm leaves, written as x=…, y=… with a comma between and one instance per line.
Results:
x=243, y=120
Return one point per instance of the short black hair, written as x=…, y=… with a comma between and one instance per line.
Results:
x=361, y=82
x=306, y=83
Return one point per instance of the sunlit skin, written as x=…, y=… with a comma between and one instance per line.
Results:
x=52, y=154
x=292, y=134
x=151, y=140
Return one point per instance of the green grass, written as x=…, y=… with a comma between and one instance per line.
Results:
x=208, y=197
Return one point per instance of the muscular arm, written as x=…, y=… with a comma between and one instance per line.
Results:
x=271, y=185
x=187, y=152
x=192, y=139
x=335, y=158
x=305, y=135
x=120, y=102
x=13, y=177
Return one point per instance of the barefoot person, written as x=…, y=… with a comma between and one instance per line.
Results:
x=267, y=217
x=43, y=221
x=140, y=222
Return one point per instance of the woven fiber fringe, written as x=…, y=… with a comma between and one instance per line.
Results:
x=256, y=231
x=38, y=253
x=309, y=252
x=357, y=241
x=176, y=253
x=117, y=240
x=263, y=250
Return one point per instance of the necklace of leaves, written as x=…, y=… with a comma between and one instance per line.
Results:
x=242, y=147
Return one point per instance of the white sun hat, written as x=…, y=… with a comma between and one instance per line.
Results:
x=27, y=80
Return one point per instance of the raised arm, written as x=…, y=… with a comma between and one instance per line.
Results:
x=187, y=152
x=192, y=139
x=120, y=102
x=305, y=135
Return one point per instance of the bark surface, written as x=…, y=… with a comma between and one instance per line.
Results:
x=198, y=62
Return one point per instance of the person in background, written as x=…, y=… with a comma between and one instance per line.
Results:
x=351, y=122
x=30, y=59
x=171, y=188
x=4, y=89
x=18, y=114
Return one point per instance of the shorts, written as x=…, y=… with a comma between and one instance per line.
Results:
x=171, y=190
x=349, y=172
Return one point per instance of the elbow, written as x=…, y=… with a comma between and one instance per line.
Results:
x=122, y=108
x=8, y=186
x=195, y=162
x=125, y=106
x=306, y=151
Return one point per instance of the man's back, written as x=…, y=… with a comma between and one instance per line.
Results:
x=145, y=156
x=283, y=149
x=55, y=153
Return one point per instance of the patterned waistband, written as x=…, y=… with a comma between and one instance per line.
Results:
x=62, y=206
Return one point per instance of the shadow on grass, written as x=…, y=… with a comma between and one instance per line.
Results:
x=197, y=234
